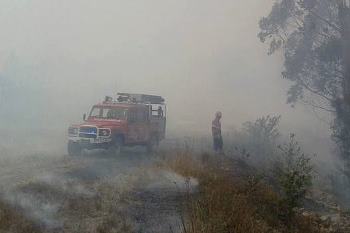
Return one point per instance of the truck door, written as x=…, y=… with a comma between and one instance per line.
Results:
x=138, y=126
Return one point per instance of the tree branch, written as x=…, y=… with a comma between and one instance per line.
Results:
x=317, y=106
x=334, y=26
x=314, y=91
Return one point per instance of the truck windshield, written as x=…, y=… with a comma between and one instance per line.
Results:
x=108, y=113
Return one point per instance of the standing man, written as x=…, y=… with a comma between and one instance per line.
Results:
x=216, y=132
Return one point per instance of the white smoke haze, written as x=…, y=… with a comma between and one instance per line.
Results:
x=40, y=211
x=47, y=198
x=59, y=57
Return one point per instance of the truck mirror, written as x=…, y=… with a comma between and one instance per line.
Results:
x=84, y=117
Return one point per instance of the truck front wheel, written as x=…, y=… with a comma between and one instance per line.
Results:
x=74, y=148
x=116, y=146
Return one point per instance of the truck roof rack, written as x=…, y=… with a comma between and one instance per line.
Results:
x=140, y=98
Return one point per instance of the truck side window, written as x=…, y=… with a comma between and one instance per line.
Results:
x=96, y=112
x=132, y=116
x=141, y=115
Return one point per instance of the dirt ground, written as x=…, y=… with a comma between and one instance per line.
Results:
x=95, y=192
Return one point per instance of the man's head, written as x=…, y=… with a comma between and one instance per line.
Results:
x=218, y=115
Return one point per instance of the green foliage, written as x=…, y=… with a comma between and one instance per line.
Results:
x=264, y=128
x=258, y=139
x=314, y=37
x=309, y=33
x=295, y=175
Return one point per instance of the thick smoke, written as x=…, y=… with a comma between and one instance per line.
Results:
x=59, y=57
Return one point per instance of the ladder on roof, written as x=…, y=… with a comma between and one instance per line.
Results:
x=140, y=98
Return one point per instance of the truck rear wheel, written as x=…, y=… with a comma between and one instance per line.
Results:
x=152, y=143
x=74, y=148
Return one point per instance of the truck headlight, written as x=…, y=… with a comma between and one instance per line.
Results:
x=104, y=132
x=73, y=131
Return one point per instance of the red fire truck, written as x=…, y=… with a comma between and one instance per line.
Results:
x=131, y=119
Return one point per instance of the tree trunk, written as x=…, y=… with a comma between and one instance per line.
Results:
x=344, y=16
x=342, y=120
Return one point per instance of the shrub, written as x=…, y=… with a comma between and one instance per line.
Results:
x=264, y=128
x=295, y=175
x=257, y=140
x=224, y=205
x=227, y=201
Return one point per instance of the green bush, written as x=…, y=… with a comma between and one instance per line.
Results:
x=294, y=175
x=257, y=140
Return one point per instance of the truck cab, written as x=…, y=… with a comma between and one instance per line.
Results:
x=132, y=119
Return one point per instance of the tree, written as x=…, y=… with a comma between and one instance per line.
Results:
x=314, y=36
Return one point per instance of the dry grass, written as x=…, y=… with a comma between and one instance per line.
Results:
x=98, y=213
x=230, y=197
x=13, y=220
x=230, y=201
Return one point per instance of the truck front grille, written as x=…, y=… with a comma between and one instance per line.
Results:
x=88, y=132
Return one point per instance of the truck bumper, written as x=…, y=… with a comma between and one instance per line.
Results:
x=92, y=143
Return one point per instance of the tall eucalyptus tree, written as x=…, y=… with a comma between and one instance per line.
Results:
x=314, y=36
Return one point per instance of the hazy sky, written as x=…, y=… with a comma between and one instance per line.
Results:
x=58, y=57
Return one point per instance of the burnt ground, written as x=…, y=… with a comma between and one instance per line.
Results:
x=95, y=192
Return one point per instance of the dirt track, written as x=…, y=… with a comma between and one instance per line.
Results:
x=94, y=193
